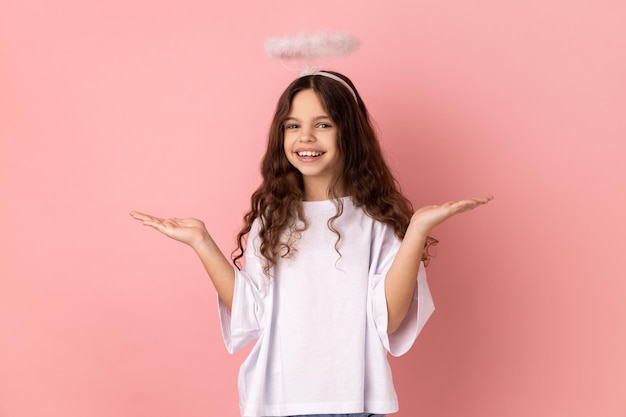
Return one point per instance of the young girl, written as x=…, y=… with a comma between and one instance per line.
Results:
x=333, y=276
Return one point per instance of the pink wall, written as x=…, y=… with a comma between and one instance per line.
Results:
x=108, y=106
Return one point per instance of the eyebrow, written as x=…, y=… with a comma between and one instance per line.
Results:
x=288, y=118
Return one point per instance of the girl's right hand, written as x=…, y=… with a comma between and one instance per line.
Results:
x=189, y=231
x=193, y=233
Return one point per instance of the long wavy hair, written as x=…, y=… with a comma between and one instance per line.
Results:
x=363, y=175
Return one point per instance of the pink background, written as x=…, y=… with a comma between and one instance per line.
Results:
x=163, y=106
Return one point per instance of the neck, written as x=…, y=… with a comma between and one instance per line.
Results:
x=313, y=193
x=318, y=190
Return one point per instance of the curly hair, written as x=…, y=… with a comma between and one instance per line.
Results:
x=363, y=174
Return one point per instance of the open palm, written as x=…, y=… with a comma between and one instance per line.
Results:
x=430, y=216
x=190, y=231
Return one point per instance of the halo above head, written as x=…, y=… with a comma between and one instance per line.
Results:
x=305, y=48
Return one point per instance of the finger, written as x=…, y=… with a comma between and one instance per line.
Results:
x=472, y=203
x=154, y=222
x=143, y=217
x=159, y=225
x=479, y=201
x=484, y=199
x=137, y=215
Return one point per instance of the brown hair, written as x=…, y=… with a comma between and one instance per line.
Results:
x=364, y=174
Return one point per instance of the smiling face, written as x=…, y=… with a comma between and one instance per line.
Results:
x=310, y=143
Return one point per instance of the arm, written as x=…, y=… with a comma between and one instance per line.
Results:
x=400, y=281
x=193, y=233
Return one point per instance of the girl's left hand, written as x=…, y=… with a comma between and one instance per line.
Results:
x=430, y=216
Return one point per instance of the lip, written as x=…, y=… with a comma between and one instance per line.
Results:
x=308, y=150
x=308, y=158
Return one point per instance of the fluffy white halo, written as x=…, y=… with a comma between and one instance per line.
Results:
x=305, y=46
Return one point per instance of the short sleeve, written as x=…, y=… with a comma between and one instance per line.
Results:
x=419, y=312
x=245, y=321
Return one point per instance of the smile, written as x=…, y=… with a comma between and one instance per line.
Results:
x=309, y=154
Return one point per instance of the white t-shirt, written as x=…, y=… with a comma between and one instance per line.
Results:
x=321, y=320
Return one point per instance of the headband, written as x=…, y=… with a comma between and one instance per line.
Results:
x=315, y=71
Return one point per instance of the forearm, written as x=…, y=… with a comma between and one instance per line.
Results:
x=401, y=278
x=218, y=267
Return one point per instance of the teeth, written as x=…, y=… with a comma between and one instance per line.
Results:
x=309, y=153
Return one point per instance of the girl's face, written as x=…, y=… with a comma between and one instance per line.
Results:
x=310, y=142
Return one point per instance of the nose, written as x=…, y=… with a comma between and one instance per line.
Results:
x=306, y=135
